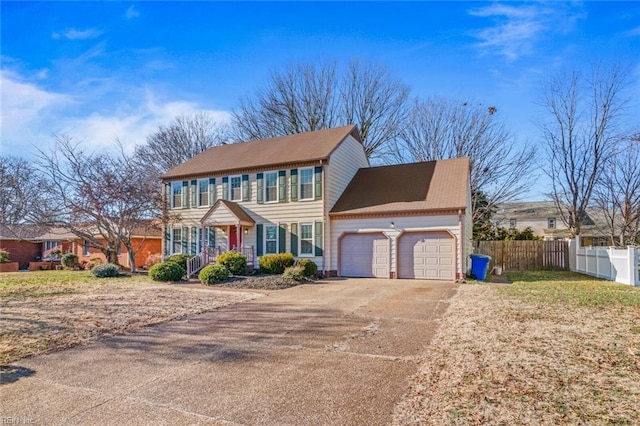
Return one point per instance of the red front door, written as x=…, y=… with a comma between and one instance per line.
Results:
x=233, y=237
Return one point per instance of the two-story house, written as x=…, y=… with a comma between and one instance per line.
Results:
x=315, y=195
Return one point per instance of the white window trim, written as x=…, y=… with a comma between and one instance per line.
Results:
x=199, y=193
x=173, y=196
x=313, y=234
x=549, y=223
x=515, y=223
x=277, y=240
x=231, y=187
x=277, y=187
x=313, y=184
x=173, y=241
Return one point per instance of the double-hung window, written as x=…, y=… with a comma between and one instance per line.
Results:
x=513, y=223
x=551, y=223
x=306, y=239
x=86, y=250
x=271, y=187
x=306, y=184
x=176, y=195
x=271, y=239
x=235, y=188
x=177, y=240
x=203, y=192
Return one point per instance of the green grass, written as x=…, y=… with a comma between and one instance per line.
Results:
x=569, y=288
x=53, y=283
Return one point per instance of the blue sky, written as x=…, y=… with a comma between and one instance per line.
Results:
x=104, y=70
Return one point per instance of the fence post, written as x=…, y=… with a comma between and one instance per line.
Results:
x=633, y=271
x=574, y=245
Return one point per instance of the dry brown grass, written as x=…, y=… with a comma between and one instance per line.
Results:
x=46, y=311
x=542, y=351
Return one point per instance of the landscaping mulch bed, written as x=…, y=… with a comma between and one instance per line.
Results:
x=262, y=282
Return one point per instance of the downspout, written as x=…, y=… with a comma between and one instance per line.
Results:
x=462, y=240
x=327, y=228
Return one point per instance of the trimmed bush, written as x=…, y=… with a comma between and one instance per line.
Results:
x=4, y=256
x=275, y=263
x=234, y=261
x=180, y=259
x=69, y=260
x=295, y=272
x=108, y=270
x=213, y=274
x=166, y=271
x=309, y=266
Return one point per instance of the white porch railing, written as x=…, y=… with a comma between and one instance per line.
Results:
x=619, y=265
x=209, y=254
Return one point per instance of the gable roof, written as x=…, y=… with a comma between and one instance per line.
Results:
x=415, y=187
x=290, y=149
x=532, y=210
x=234, y=209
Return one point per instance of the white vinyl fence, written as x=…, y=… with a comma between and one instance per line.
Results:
x=619, y=265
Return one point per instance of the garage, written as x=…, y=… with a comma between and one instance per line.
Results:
x=364, y=255
x=426, y=255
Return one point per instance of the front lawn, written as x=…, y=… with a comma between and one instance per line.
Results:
x=51, y=310
x=552, y=348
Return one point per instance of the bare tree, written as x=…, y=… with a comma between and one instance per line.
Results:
x=20, y=190
x=617, y=194
x=301, y=98
x=103, y=199
x=440, y=128
x=376, y=102
x=179, y=141
x=308, y=97
x=583, y=125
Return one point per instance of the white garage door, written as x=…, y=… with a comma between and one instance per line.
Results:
x=426, y=255
x=364, y=255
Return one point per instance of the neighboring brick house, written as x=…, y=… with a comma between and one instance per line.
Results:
x=28, y=244
x=315, y=195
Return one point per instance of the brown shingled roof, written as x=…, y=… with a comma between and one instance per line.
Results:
x=290, y=149
x=432, y=185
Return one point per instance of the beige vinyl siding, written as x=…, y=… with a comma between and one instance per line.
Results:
x=383, y=224
x=266, y=213
x=343, y=165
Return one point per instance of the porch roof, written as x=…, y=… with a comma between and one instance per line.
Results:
x=225, y=212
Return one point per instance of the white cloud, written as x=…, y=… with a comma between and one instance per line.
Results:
x=30, y=115
x=633, y=32
x=75, y=34
x=131, y=13
x=518, y=29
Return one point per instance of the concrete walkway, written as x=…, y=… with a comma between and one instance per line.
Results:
x=336, y=352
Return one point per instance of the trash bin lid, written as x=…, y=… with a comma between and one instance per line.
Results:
x=480, y=256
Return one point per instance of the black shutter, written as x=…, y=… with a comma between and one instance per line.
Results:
x=259, y=240
x=294, y=184
x=318, y=239
x=225, y=188
x=245, y=188
x=260, y=187
x=294, y=239
x=282, y=238
x=318, y=182
x=282, y=189
x=212, y=191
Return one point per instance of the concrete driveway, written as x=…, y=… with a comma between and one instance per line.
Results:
x=335, y=352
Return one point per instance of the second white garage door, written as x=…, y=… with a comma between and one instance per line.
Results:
x=364, y=255
x=426, y=255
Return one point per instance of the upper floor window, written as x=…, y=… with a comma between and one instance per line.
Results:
x=203, y=192
x=271, y=187
x=551, y=223
x=176, y=195
x=306, y=239
x=235, y=188
x=513, y=223
x=306, y=184
x=270, y=239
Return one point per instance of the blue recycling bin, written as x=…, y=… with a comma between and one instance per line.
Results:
x=479, y=266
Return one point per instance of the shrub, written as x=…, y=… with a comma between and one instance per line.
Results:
x=309, y=267
x=108, y=270
x=276, y=263
x=4, y=256
x=235, y=262
x=69, y=260
x=213, y=274
x=180, y=259
x=295, y=272
x=166, y=271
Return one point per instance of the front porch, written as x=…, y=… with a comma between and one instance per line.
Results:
x=209, y=255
